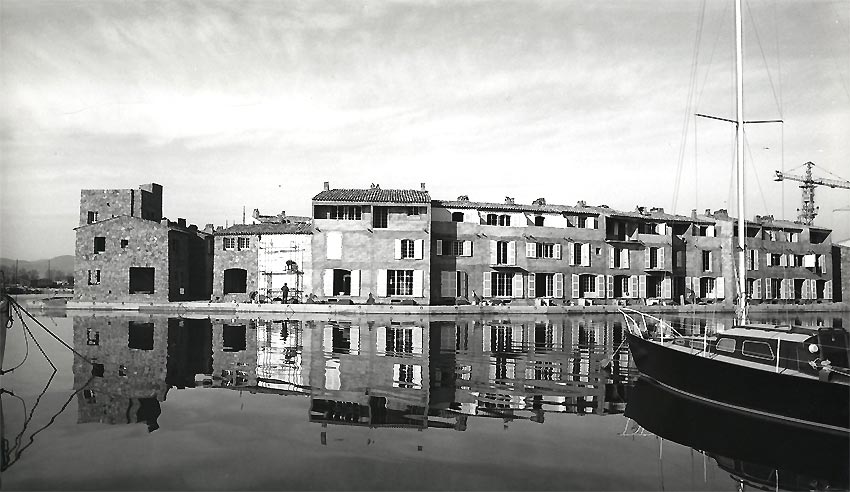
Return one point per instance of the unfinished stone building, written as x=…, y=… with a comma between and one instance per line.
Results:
x=127, y=252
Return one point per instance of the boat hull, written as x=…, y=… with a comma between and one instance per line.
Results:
x=799, y=400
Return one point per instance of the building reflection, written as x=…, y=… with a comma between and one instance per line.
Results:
x=378, y=372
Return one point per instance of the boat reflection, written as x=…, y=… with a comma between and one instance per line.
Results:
x=378, y=372
x=754, y=451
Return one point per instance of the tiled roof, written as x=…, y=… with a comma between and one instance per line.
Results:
x=373, y=195
x=265, y=228
x=552, y=208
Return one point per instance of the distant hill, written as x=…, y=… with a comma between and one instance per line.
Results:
x=63, y=263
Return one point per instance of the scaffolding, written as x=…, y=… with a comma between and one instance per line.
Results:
x=279, y=265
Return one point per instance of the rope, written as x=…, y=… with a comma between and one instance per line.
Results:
x=39, y=323
x=26, y=341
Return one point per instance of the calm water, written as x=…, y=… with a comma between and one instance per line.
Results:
x=521, y=403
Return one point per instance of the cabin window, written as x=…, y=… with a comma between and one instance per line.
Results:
x=726, y=345
x=759, y=350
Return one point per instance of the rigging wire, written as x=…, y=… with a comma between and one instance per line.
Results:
x=753, y=169
x=26, y=353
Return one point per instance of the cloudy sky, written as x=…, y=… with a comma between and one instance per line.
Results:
x=232, y=104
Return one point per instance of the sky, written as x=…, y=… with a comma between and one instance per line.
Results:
x=256, y=103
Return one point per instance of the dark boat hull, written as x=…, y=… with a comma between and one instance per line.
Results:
x=798, y=400
x=750, y=441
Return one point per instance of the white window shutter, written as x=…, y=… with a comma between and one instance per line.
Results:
x=418, y=249
x=328, y=285
x=661, y=258
x=355, y=282
x=445, y=284
x=467, y=248
x=720, y=288
x=646, y=257
x=757, y=288
x=530, y=250
x=696, y=288
x=418, y=284
x=512, y=253
x=439, y=247
x=572, y=249
x=768, y=289
x=559, y=286
x=397, y=249
x=600, y=286
x=666, y=287
x=633, y=286
x=464, y=287
x=492, y=252
x=827, y=290
x=710, y=231
x=486, y=288
x=531, y=286
x=518, y=290
x=591, y=222
x=611, y=252
x=662, y=228
x=642, y=286
x=755, y=260
x=381, y=287
x=575, y=286
x=557, y=251
x=609, y=288
x=381, y=340
x=585, y=254
x=688, y=284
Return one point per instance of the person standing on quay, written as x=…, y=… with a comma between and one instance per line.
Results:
x=285, y=292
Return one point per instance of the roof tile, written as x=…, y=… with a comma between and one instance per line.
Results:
x=373, y=195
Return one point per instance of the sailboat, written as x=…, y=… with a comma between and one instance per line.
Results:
x=797, y=375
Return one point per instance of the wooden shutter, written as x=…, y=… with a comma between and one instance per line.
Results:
x=591, y=223
x=445, y=284
x=662, y=228
x=666, y=287
x=661, y=258
x=418, y=284
x=609, y=287
x=719, y=288
x=646, y=257
x=486, y=288
x=559, y=286
x=531, y=286
x=512, y=253
x=600, y=286
x=493, y=252
x=530, y=250
x=381, y=340
x=572, y=248
x=464, y=285
x=827, y=290
x=355, y=282
x=710, y=231
x=624, y=258
x=611, y=253
x=467, y=248
x=557, y=251
x=439, y=247
x=381, y=287
x=328, y=285
x=585, y=254
x=397, y=249
x=575, y=286
x=755, y=260
x=642, y=286
x=768, y=288
x=696, y=287
x=518, y=290
x=418, y=249
x=757, y=288
x=688, y=285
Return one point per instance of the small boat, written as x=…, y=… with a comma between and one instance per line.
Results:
x=793, y=374
x=754, y=451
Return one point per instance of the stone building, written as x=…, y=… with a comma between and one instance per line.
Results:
x=127, y=252
x=255, y=261
x=372, y=242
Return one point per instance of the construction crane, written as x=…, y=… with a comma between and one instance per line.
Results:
x=807, y=211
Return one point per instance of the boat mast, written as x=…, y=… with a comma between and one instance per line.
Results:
x=739, y=164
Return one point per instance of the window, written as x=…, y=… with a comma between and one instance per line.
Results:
x=140, y=335
x=235, y=281
x=229, y=243
x=457, y=216
x=399, y=282
x=501, y=252
x=798, y=260
x=413, y=210
x=407, y=248
x=243, y=243
x=399, y=340
x=453, y=284
x=752, y=259
x=503, y=284
x=545, y=250
x=344, y=212
x=759, y=350
x=726, y=345
x=582, y=222
x=92, y=337
x=544, y=285
x=619, y=257
x=706, y=261
x=407, y=376
x=794, y=237
x=538, y=220
x=379, y=217
x=451, y=248
x=704, y=230
x=500, y=220
x=92, y=218
x=94, y=277
x=124, y=243
x=234, y=338
x=99, y=244
x=775, y=259
x=141, y=280
x=588, y=284
x=649, y=228
x=624, y=287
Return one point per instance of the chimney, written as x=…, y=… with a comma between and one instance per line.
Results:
x=209, y=228
x=539, y=201
x=581, y=203
x=708, y=211
x=693, y=213
x=164, y=221
x=181, y=222
x=463, y=198
x=256, y=214
x=219, y=228
x=327, y=186
x=509, y=200
x=422, y=186
x=193, y=228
